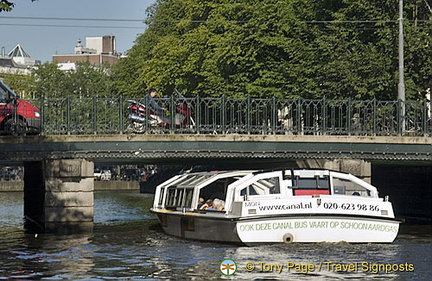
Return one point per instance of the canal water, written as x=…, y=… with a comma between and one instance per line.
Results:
x=127, y=244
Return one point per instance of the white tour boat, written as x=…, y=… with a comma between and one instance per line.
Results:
x=290, y=205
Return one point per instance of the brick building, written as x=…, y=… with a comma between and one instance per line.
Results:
x=98, y=51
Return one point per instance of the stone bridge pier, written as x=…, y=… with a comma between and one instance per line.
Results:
x=58, y=196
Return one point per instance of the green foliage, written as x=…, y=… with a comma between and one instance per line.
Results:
x=282, y=48
x=6, y=6
x=84, y=82
x=50, y=80
x=23, y=85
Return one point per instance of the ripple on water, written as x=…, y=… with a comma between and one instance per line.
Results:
x=127, y=243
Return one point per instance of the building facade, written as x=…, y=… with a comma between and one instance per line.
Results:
x=98, y=51
x=17, y=61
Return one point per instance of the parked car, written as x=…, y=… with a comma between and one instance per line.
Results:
x=17, y=116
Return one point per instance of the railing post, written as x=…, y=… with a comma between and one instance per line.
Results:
x=68, y=115
x=147, y=115
x=374, y=117
x=324, y=117
x=197, y=114
x=399, y=117
x=95, y=115
x=425, y=118
x=249, y=117
x=299, y=116
x=273, y=115
x=42, y=113
x=429, y=121
x=121, y=125
x=172, y=127
x=349, y=117
x=223, y=115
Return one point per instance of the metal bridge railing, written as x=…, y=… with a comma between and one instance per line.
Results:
x=225, y=115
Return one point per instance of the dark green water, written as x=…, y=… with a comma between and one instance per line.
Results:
x=127, y=244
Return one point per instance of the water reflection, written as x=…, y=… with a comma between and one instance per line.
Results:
x=127, y=243
x=327, y=260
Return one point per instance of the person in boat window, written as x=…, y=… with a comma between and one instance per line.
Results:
x=200, y=203
x=220, y=192
x=208, y=204
x=152, y=103
x=218, y=205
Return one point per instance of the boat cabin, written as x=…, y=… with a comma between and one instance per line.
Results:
x=289, y=205
x=188, y=191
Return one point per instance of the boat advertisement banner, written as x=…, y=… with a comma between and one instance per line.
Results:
x=317, y=230
x=329, y=205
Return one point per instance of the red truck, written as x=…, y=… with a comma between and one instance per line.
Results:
x=17, y=116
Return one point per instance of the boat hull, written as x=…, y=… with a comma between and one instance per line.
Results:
x=199, y=227
x=293, y=229
x=318, y=229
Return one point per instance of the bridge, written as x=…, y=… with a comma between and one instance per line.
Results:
x=262, y=116
x=271, y=128
x=147, y=148
x=343, y=135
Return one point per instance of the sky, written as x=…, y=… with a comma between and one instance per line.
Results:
x=49, y=27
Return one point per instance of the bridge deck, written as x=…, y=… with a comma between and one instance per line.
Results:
x=176, y=146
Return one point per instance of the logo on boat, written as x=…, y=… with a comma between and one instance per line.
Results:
x=228, y=267
x=282, y=207
x=251, y=203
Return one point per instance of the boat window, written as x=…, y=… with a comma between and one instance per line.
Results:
x=188, y=198
x=193, y=180
x=252, y=190
x=179, y=197
x=217, y=189
x=272, y=184
x=311, y=185
x=347, y=187
x=196, y=180
x=161, y=196
x=189, y=180
x=171, y=197
x=262, y=187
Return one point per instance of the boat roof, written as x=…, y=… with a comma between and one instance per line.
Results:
x=200, y=179
x=197, y=179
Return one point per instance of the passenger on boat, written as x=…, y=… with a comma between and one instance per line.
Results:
x=218, y=205
x=200, y=202
x=208, y=204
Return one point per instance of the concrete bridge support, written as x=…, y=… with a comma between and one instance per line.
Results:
x=58, y=196
x=357, y=167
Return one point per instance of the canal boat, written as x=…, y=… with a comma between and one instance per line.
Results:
x=286, y=205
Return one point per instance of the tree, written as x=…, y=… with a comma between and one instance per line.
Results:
x=282, y=48
x=50, y=81
x=86, y=81
x=23, y=85
x=6, y=6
